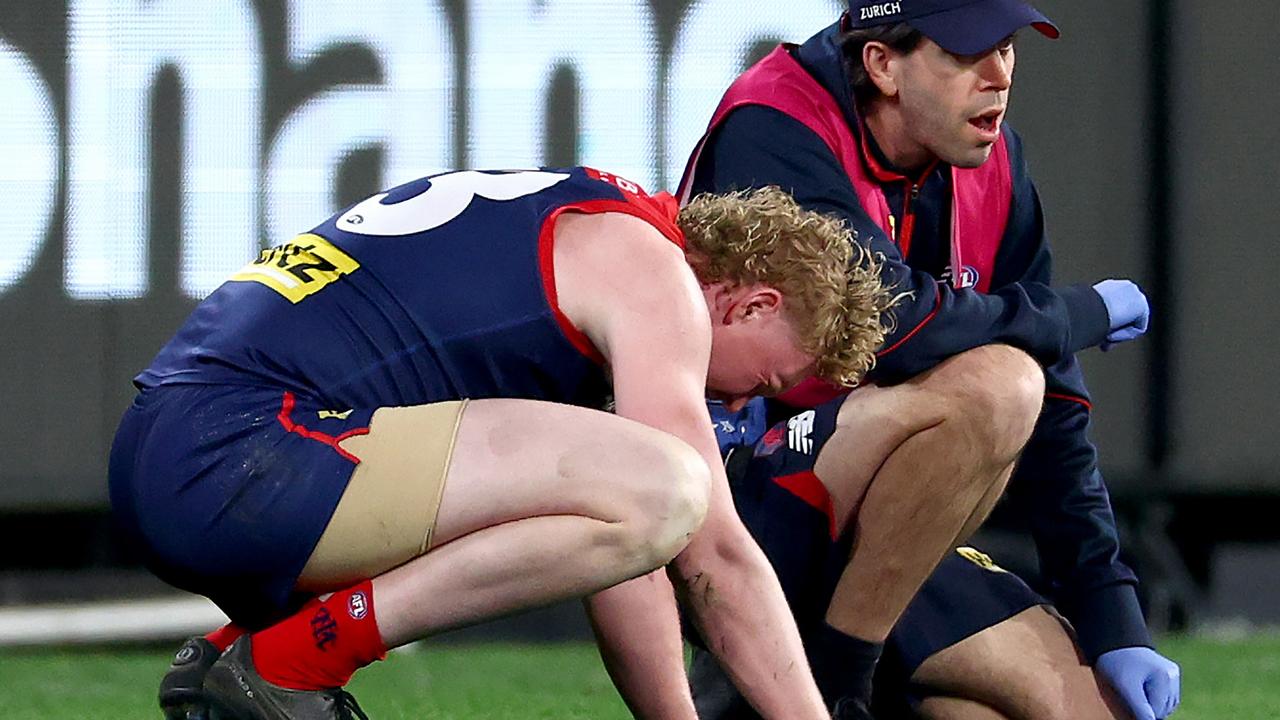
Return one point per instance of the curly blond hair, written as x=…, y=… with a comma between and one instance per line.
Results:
x=834, y=297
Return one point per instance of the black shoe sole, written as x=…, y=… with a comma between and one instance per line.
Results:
x=186, y=705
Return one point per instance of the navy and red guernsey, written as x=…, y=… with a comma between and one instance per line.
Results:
x=439, y=289
x=791, y=121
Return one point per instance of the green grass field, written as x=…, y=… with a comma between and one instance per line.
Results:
x=1237, y=680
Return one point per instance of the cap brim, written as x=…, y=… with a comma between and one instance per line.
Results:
x=977, y=27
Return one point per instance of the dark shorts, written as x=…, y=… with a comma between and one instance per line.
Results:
x=787, y=510
x=228, y=489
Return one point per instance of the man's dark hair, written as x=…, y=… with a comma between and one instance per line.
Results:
x=899, y=36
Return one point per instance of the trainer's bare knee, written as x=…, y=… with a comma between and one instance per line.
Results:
x=1062, y=698
x=997, y=390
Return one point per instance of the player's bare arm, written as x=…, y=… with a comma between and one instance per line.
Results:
x=648, y=316
x=636, y=622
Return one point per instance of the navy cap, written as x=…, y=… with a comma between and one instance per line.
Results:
x=962, y=27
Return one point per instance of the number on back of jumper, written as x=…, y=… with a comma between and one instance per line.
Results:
x=441, y=199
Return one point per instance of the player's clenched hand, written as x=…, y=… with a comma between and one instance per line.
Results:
x=1149, y=683
x=1127, y=310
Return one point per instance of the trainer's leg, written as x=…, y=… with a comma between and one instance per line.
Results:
x=543, y=502
x=921, y=464
x=1025, y=668
x=915, y=466
x=942, y=707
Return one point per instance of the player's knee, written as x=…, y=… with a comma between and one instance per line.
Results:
x=999, y=395
x=681, y=505
x=669, y=496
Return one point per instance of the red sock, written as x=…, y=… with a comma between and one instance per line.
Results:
x=322, y=644
x=224, y=636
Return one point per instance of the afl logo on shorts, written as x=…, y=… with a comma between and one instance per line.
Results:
x=358, y=605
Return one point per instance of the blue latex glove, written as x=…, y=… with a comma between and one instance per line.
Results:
x=1127, y=310
x=1148, y=683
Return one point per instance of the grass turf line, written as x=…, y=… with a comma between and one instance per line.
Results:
x=1237, y=680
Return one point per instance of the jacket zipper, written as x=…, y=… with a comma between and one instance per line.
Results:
x=908, y=214
x=908, y=220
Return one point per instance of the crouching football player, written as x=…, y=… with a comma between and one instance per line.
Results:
x=390, y=427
